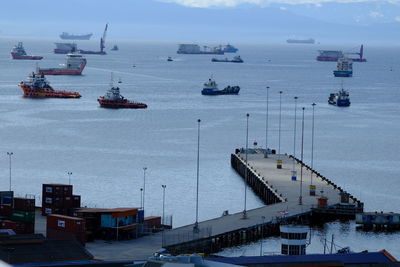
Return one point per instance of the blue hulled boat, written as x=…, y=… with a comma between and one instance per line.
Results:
x=211, y=88
x=340, y=99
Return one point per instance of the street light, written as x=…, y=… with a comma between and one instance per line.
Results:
x=69, y=177
x=294, y=140
x=266, y=126
x=144, y=186
x=246, y=168
x=279, y=161
x=196, y=224
x=9, y=155
x=301, y=169
x=163, y=204
x=312, y=187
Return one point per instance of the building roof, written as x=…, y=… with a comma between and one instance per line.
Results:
x=349, y=258
x=115, y=210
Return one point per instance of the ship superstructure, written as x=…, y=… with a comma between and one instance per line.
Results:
x=195, y=49
x=344, y=67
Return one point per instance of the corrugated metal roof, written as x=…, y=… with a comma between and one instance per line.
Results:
x=367, y=257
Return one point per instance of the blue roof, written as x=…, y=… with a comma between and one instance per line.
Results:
x=367, y=257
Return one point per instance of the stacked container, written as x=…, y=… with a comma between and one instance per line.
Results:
x=61, y=227
x=58, y=199
x=6, y=201
x=20, y=214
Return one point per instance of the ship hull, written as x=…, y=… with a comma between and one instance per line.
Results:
x=47, y=93
x=339, y=73
x=229, y=61
x=206, y=91
x=86, y=52
x=336, y=59
x=232, y=50
x=201, y=53
x=26, y=57
x=63, y=71
x=104, y=103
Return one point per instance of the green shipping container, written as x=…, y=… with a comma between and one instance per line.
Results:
x=23, y=216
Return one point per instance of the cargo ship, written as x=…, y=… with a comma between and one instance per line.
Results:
x=102, y=45
x=334, y=55
x=196, y=50
x=340, y=99
x=236, y=59
x=229, y=49
x=67, y=36
x=211, y=88
x=18, y=52
x=344, y=67
x=113, y=99
x=301, y=41
x=37, y=86
x=74, y=65
x=65, y=48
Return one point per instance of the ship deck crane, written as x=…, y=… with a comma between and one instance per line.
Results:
x=103, y=39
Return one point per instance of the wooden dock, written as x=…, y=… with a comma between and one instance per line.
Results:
x=282, y=197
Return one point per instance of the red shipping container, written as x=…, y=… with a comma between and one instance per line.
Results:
x=152, y=222
x=18, y=227
x=76, y=201
x=65, y=223
x=68, y=202
x=24, y=204
x=48, y=209
x=60, y=190
x=5, y=210
x=54, y=201
x=54, y=234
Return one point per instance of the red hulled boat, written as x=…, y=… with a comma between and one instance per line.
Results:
x=113, y=99
x=37, y=86
x=18, y=52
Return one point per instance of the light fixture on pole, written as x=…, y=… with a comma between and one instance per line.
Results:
x=301, y=168
x=9, y=155
x=69, y=177
x=312, y=187
x=266, y=126
x=279, y=161
x=196, y=224
x=246, y=167
x=294, y=173
x=144, y=187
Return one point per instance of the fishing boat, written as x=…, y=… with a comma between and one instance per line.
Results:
x=340, y=99
x=37, y=86
x=74, y=65
x=113, y=99
x=236, y=59
x=344, y=67
x=18, y=52
x=211, y=88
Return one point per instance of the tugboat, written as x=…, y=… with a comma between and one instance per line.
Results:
x=340, y=99
x=211, y=88
x=344, y=67
x=37, y=86
x=115, y=48
x=170, y=59
x=18, y=52
x=236, y=59
x=74, y=65
x=113, y=99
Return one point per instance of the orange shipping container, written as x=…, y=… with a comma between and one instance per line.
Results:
x=66, y=223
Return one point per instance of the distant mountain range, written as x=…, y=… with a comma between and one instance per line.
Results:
x=153, y=20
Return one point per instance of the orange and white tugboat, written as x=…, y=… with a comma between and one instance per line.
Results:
x=37, y=86
x=113, y=99
x=18, y=52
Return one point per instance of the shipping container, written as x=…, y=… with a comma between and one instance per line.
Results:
x=60, y=190
x=76, y=201
x=152, y=222
x=23, y=216
x=5, y=210
x=140, y=217
x=46, y=210
x=107, y=220
x=18, y=227
x=65, y=223
x=24, y=204
x=54, y=234
x=6, y=197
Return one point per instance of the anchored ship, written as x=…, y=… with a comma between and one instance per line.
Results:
x=229, y=49
x=115, y=48
x=65, y=48
x=340, y=99
x=334, y=55
x=74, y=65
x=67, y=36
x=37, y=86
x=301, y=41
x=195, y=49
x=102, y=45
x=236, y=59
x=344, y=67
x=211, y=88
x=113, y=99
x=18, y=52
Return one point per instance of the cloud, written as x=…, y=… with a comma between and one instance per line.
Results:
x=375, y=14
x=233, y=3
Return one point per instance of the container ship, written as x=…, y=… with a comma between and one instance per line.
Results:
x=74, y=65
x=344, y=68
x=236, y=59
x=300, y=41
x=67, y=36
x=37, y=86
x=195, y=49
x=113, y=99
x=18, y=52
x=334, y=55
x=65, y=48
x=229, y=49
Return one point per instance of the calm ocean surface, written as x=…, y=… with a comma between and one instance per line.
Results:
x=356, y=147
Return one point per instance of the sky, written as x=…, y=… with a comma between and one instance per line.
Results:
x=206, y=20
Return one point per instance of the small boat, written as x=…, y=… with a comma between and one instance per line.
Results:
x=115, y=48
x=344, y=67
x=170, y=59
x=340, y=99
x=236, y=59
x=113, y=99
x=18, y=52
x=211, y=88
x=37, y=86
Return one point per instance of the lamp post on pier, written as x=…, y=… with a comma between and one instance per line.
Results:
x=301, y=169
x=69, y=177
x=163, y=204
x=294, y=140
x=141, y=198
x=9, y=155
x=246, y=167
x=266, y=126
x=279, y=161
x=196, y=224
x=312, y=187
x=144, y=187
